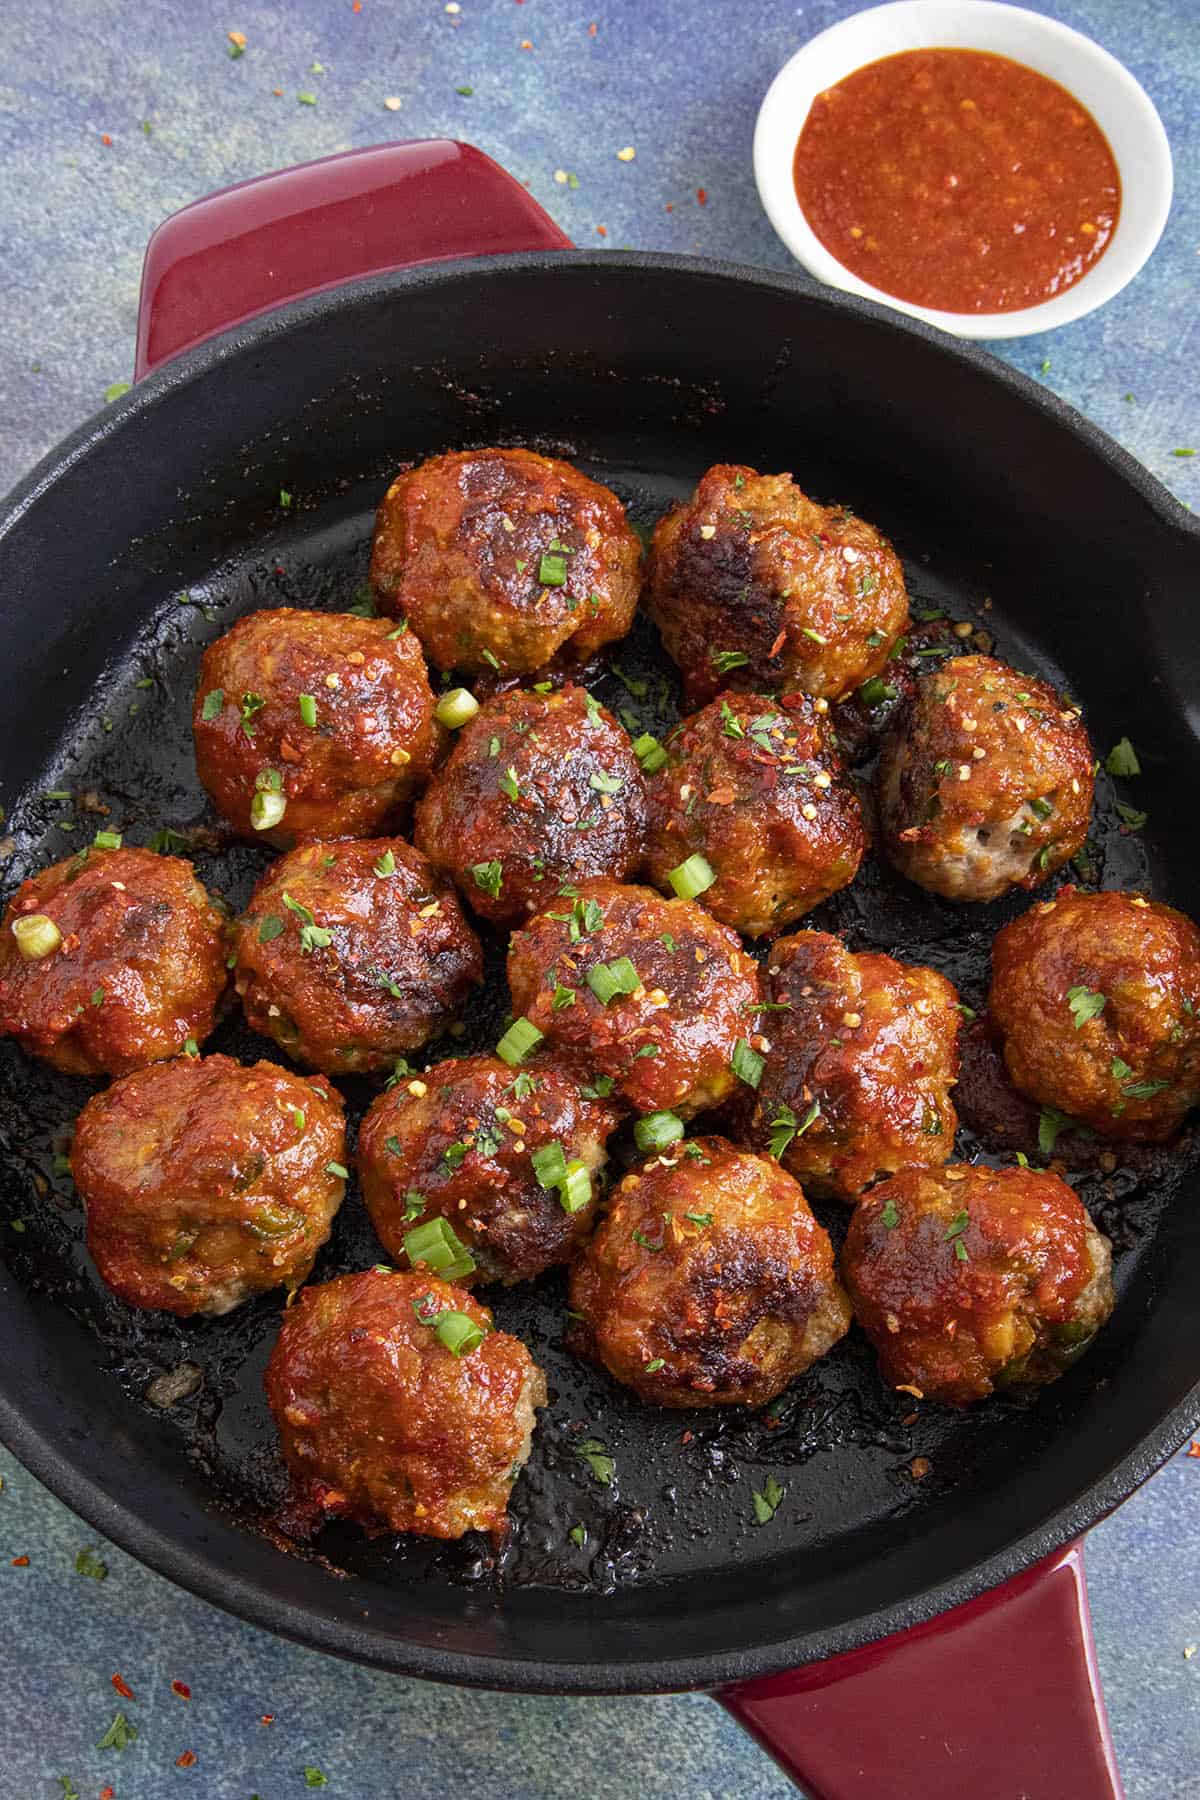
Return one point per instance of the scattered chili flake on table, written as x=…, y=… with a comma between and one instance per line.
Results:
x=122, y=1686
x=919, y=1467
x=107, y=1793
x=702, y=196
x=526, y=44
x=105, y=140
x=186, y=1759
x=602, y=231
x=1193, y=1448
x=20, y=1562
x=267, y=1719
x=357, y=7
x=182, y=1689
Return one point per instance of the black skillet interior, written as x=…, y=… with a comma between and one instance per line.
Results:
x=644, y=372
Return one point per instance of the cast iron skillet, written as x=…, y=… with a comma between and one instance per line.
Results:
x=1009, y=510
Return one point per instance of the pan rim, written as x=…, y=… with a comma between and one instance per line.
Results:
x=247, y=1598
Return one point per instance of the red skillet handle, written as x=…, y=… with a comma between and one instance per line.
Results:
x=997, y=1700
x=254, y=246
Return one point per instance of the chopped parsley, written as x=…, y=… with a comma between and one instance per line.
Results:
x=1085, y=1004
x=594, y=1454
x=489, y=876
x=767, y=1503
x=1122, y=759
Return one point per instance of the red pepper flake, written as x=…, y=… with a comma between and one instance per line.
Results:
x=186, y=1760
x=602, y=231
x=525, y=44
x=1193, y=1448
x=107, y=1793
x=919, y=1467
x=592, y=30
x=182, y=1689
x=357, y=7
x=777, y=646
x=122, y=1686
x=670, y=206
x=687, y=1437
x=702, y=196
x=106, y=140
x=20, y=1562
x=278, y=93
x=267, y=1719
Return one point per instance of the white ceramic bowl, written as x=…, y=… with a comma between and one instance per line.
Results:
x=1122, y=109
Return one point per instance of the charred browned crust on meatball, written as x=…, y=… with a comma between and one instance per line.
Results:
x=758, y=790
x=380, y=1423
x=752, y=584
x=668, y=1044
x=460, y=550
x=458, y=1142
x=351, y=954
x=967, y=1279
x=140, y=968
x=370, y=745
x=547, y=787
x=985, y=781
x=709, y=1282
x=206, y=1181
x=863, y=1053
x=1096, y=999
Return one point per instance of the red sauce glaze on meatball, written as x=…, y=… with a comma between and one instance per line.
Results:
x=968, y=1279
x=709, y=1282
x=752, y=584
x=985, y=781
x=350, y=955
x=331, y=712
x=684, y=994
x=382, y=1423
x=465, y=1141
x=540, y=789
x=206, y=1182
x=857, y=1080
x=758, y=791
x=1096, y=999
x=500, y=559
x=137, y=970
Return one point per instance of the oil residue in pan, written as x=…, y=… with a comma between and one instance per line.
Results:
x=615, y=1493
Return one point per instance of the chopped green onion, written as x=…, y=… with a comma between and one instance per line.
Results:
x=338, y=1170
x=191, y=1047
x=266, y=811
x=107, y=840
x=607, y=980
x=521, y=1037
x=656, y=1130
x=604, y=783
x=456, y=708
x=437, y=1244
x=649, y=753
x=552, y=569
x=693, y=877
x=270, y=927
x=724, y=660
x=386, y=864
x=489, y=876
x=746, y=1063
x=214, y=700
x=549, y=1165
x=575, y=1188
x=308, y=710
x=37, y=935
x=509, y=783
x=458, y=1332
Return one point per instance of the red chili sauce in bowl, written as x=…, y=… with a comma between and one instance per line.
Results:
x=957, y=180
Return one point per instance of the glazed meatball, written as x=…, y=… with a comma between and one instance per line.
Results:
x=487, y=1148
x=756, y=790
x=985, y=781
x=1096, y=999
x=501, y=559
x=206, y=1182
x=393, y=1419
x=110, y=960
x=856, y=1082
x=752, y=584
x=312, y=724
x=541, y=789
x=651, y=993
x=709, y=1282
x=349, y=955
x=968, y=1279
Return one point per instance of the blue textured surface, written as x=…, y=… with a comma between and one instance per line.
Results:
x=680, y=83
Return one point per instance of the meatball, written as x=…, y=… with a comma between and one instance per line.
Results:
x=349, y=955
x=206, y=1182
x=1096, y=999
x=709, y=1282
x=111, y=959
x=651, y=993
x=487, y=1148
x=312, y=724
x=400, y=1406
x=752, y=584
x=863, y=1054
x=500, y=559
x=985, y=781
x=541, y=789
x=967, y=1279
x=756, y=790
